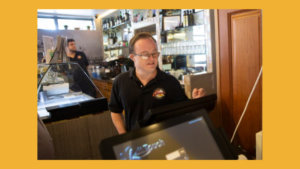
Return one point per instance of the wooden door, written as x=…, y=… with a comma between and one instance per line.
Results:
x=240, y=40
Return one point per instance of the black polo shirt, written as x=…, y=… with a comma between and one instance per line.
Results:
x=129, y=94
x=81, y=59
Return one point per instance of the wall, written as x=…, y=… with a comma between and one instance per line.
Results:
x=90, y=42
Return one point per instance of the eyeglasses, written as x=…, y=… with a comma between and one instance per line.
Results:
x=146, y=55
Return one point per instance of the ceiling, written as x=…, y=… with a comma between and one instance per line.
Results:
x=87, y=13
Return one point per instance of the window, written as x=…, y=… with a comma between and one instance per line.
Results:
x=72, y=24
x=53, y=23
x=46, y=23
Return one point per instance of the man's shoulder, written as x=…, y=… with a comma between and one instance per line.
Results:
x=122, y=76
x=80, y=53
x=166, y=76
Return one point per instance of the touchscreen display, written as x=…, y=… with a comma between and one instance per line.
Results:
x=186, y=141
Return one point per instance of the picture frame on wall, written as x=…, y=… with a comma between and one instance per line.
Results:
x=171, y=22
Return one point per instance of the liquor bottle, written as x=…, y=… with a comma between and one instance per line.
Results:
x=120, y=20
x=110, y=40
x=106, y=24
x=110, y=23
x=127, y=15
x=189, y=17
x=186, y=19
x=115, y=38
x=135, y=19
x=120, y=17
x=153, y=13
x=103, y=24
x=184, y=13
x=192, y=17
x=117, y=21
x=123, y=16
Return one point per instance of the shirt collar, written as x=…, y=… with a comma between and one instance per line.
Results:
x=158, y=76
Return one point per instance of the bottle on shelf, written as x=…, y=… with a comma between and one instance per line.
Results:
x=189, y=18
x=115, y=38
x=135, y=19
x=110, y=23
x=120, y=18
x=107, y=24
x=110, y=39
x=116, y=21
x=153, y=13
x=186, y=20
x=123, y=16
x=126, y=15
x=104, y=24
x=193, y=14
x=113, y=21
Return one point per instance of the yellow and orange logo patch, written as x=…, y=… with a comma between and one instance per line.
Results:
x=159, y=93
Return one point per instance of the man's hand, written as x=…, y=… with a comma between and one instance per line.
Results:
x=197, y=93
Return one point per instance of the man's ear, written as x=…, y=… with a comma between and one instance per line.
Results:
x=131, y=56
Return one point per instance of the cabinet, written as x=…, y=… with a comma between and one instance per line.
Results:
x=240, y=63
x=74, y=111
x=116, y=34
x=65, y=91
x=79, y=138
x=187, y=49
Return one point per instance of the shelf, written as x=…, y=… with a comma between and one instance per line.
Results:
x=145, y=23
x=115, y=48
x=176, y=30
x=187, y=54
x=117, y=26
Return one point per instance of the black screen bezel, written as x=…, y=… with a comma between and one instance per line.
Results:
x=106, y=145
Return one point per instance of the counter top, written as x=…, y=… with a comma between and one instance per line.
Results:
x=104, y=80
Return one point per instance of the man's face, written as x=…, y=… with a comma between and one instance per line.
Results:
x=145, y=47
x=72, y=46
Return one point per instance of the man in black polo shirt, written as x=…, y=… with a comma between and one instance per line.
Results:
x=79, y=78
x=143, y=88
x=77, y=56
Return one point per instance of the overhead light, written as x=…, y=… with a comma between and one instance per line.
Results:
x=107, y=12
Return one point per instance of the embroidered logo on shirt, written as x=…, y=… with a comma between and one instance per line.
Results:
x=79, y=57
x=159, y=93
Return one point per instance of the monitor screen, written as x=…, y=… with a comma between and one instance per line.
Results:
x=185, y=141
x=187, y=137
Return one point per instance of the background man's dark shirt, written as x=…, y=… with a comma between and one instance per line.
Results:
x=81, y=59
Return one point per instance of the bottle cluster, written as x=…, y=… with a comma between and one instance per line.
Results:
x=117, y=20
x=188, y=18
x=145, y=15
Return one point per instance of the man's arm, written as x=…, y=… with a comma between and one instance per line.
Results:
x=86, y=62
x=118, y=121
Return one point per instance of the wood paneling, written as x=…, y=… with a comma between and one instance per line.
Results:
x=240, y=63
x=104, y=86
x=79, y=138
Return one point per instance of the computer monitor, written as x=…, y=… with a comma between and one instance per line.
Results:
x=190, y=136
